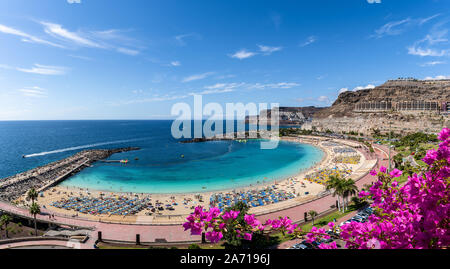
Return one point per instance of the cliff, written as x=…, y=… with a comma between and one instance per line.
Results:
x=410, y=105
x=394, y=91
x=287, y=115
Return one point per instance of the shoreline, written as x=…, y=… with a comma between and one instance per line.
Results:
x=183, y=203
x=263, y=184
x=303, y=190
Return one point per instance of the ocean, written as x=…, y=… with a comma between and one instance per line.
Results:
x=163, y=165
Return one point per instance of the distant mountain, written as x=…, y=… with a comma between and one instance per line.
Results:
x=287, y=115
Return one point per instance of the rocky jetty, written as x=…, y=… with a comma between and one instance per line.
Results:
x=41, y=177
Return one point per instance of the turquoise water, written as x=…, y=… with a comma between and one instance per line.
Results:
x=242, y=165
x=160, y=168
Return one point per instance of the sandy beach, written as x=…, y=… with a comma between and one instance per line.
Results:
x=182, y=204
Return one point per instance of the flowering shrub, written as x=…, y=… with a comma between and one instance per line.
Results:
x=415, y=215
x=217, y=224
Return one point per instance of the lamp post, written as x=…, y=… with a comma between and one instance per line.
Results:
x=390, y=123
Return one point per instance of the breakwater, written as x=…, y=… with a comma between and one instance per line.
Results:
x=234, y=136
x=51, y=174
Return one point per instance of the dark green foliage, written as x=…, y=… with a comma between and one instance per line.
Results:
x=194, y=246
x=414, y=140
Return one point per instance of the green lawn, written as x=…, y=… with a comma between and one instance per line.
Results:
x=328, y=218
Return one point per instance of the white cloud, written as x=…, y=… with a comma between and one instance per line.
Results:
x=5, y=66
x=128, y=51
x=323, y=99
x=80, y=57
x=370, y=86
x=181, y=38
x=425, y=20
x=27, y=37
x=243, y=54
x=108, y=39
x=58, y=31
x=374, y=1
x=224, y=87
x=280, y=85
x=198, y=76
x=392, y=28
x=423, y=52
x=267, y=50
x=429, y=45
x=432, y=63
x=398, y=27
x=175, y=63
x=437, y=78
x=35, y=91
x=74, y=1
x=309, y=41
x=44, y=70
x=211, y=91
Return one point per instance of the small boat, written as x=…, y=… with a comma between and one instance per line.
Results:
x=136, y=159
x=23, y=156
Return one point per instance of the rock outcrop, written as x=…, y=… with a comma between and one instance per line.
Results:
x=287, y=115
x=407, y=105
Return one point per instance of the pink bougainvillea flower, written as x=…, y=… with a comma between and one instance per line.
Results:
x=248, y=236
x=395, y=173
x=363, y=194
x=373, y=173
x=331, y=225
x=383, y=169
x=444, y=134
x=230, y=215
x=214, y=236
x=251, y=220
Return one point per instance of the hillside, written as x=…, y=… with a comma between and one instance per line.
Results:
x=409, y=105
x=393, y=91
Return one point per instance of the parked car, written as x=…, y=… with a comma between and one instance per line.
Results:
x=309, y=245
x=299, y=246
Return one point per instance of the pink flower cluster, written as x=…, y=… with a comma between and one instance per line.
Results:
x=415, y=215
x=216, y=224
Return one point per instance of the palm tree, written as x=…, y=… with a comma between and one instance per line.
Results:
x=32, y=194
x=335, y=183
x=312, y=214
x=349, y=188
x=34, y=210
x=5, y=220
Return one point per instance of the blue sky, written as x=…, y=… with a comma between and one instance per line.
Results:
x=111, y=59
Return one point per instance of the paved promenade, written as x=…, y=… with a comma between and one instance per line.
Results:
x=176, y=233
